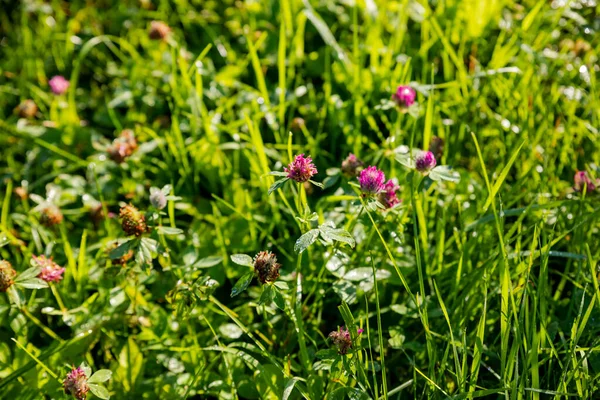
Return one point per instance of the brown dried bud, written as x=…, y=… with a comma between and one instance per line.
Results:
x=27, y=109
x=21, y=192
x=298, y=123
x=51, y=215
x=7, y=274
x=123, y=146
x=158, y=30
x=133, y=221
x=266, y=267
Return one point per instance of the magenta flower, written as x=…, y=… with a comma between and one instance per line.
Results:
x=301, y=169
x=582, y=179
x=342, y=340
x=76, y=384
x=425, y=161
x=404, y=97
x=371, y=180
x=388, y=196
x=51, y=271
x=58, y=84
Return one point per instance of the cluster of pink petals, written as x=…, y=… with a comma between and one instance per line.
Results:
x=76, y=384
x=301, y=169
x=388, y=196
x=342, y=340
x=425, y=161
x=58, y=84
x=405, y=96
x=581, y=180
x=51, y=271
x=371, y=180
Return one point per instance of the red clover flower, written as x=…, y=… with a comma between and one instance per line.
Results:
x=388, y=196
x=58, y=84
x=425, y=161
x=371, y=180
x=51, y=271
x=301, y=169
x=266, y=267
x=76, y=384
x=582, y=179
x=133, y=221
x=404, y=97
x=341, y=339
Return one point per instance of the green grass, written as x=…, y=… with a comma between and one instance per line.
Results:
x=486, y=288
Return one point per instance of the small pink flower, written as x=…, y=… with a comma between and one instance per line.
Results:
x=342, y=339
x=371, y=180
x=405, y=96
x=51, y=271
x=388, y=196
x=58, y=84
x=301, y=169
x=582, y=179
x=76, y=384
x=425, y=161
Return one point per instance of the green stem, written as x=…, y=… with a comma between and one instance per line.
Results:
x=40, y=325
x=380, y=334
x=298, y=315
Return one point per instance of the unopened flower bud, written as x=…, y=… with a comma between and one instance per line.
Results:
x=158, y=30
x=7, y=274
x=341, y=339
x=133, y=221
x=266, y=267
x=158, y=199
x=581, y=180
x=27, y=109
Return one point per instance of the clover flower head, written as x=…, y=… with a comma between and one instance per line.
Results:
x=123, y=146
x=51, y=271
x=301, y=169
x=351, y=166
x=133, y=221
x=158, y=199
x=58, y=84
x=76, y=384
x=425, y=161
x=371, y=180
x=7, y=274
x=342, y=340
x=388, y=196
x=404, y=96
x=581, y=180
x=158, y=30
x=266, y=267
x=51, y=215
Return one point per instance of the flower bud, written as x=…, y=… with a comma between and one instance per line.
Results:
x=425, y=161
x=581, y=180
x=371, y=180
x=388, y=196
x=133, y=221
x=404, y=97
x=351, y=166
x=301, y=169
x=123, y=146
x=58, y=84
x=266, y=267
x=51, y=271
x=76, y=384
x=7, y=274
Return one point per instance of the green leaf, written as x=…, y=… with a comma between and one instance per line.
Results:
x=277, y=185
x=278, y=173
x=289, y=387
x=328, y=233
x=306, y=240
x=14, y=296
x=165, y=230
x=317, y=184
x=267, y=295
x=502, y=176
x=130, y=361
x=242, y=259
x=32, y=283
x=327, y=354
x=406, y=160
x=208, y=262
x=28, y=274
x=282, y=285
x=100, y=376
x=146, y=250
x=121, y=250
x=242, y=284
x=99, y=391
x=278, y=299
x=444, y=173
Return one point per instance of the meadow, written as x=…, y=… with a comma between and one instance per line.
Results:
x=299, y=199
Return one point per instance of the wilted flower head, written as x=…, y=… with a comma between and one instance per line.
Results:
x=425, y=161
x=51, y=271
x=388, y=196
x=582, y=179
x=7, y=274
x=51, y=215
x=301, y=169
x=123, y=146
x=158, y=199
x=158, y=30
x=351, y=166
x=133, y=221
x=27, y=109
x=266, y=267
x=76, y=384
x=342, y=340
x=371, y=180
x=58, y=84
x=404, y=97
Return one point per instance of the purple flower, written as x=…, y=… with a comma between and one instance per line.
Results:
x=404, y=97
x=58, y=84
x=301, y=169
x=342, y=339
x=371, y=180
x=76, y=384
x=388, y=196
x=351, y=166
x=51, y=271
x=582, y=179
x=425, y=161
